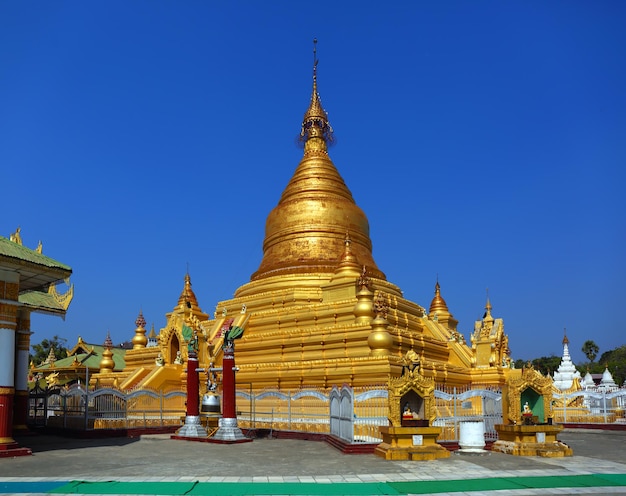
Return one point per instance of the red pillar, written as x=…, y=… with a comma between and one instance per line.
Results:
x=193, y=387
x=229, y=409
x=6, y=418
x=20, y=411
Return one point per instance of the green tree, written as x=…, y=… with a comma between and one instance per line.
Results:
x=547, y=365
x=615, y=360
x=42, y=350
x=590, y=349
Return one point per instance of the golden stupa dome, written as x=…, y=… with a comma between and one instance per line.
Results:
x=306, y=231
x=438, y=304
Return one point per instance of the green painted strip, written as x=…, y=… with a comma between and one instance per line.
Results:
x=341, y=488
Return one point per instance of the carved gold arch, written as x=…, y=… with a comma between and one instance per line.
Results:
x=411, y=380
x=173, y=328
x=530, y=378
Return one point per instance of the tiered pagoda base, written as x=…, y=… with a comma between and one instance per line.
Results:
x=410, y=443
x=530, y=440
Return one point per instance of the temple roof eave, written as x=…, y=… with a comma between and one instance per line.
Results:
x=36, y=271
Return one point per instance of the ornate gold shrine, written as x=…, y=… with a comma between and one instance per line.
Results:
x=411, y=409
x=527, y=408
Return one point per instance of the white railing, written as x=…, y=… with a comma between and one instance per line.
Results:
x=591, y=406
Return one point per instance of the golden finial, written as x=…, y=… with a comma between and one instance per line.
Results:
x=565, y=340
x=316, y=132
x=315, y=61
x=488, y=307
x=16, y=237
x=139, y=339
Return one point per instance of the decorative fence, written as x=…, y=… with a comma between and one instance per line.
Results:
x=455, y=405
x=352, y=414
x=590, y=407
x=355, y=415
x=106, y=408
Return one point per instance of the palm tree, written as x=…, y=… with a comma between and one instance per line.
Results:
x=590, y=349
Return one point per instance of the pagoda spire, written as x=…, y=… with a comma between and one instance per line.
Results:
x=488, y=317
x=316, y=133
x=305, y=232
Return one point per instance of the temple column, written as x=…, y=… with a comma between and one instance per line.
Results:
x=228, y=431
x=9, y=293
x=20, y=408
x=192, y=426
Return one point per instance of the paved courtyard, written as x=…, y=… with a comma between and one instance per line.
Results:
x=156, y=464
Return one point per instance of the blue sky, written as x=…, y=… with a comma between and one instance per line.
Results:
x=485, y=141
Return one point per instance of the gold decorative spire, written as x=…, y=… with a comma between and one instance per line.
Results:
x=438, y=304
x=487, y=316
x=187, y=299
x=565, y=340
x=379, y=340
x=107, y=364
x=51, y=356
x=348, y=264
x=305, y=232
x=363, y=310
x=139, y=339
x=316, y=132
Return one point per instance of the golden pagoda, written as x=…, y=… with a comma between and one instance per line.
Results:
x=318, y=311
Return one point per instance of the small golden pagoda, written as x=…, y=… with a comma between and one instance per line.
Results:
x=318, y=311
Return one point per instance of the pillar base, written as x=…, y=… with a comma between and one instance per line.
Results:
x=229, y=433
x=192, y=428
x=10, y=449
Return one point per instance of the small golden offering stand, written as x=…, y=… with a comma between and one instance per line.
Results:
x=411, y=409
x=527, y=406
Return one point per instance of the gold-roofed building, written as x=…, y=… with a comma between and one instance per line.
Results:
x=82, y=362
x=318, y=311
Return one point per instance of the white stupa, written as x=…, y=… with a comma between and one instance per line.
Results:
x=588, y=381
x=566, y=373
x=607, y=383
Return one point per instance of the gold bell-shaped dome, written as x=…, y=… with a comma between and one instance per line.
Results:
x=306, y=231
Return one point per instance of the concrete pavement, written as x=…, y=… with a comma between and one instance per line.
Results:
x=157, y=458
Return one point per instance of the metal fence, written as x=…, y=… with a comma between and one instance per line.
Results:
x=590, y=407
x=455, y=405
x=352, y=414
x=106, y=408
x=355, y=415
